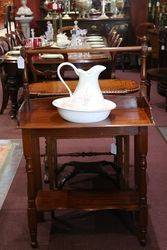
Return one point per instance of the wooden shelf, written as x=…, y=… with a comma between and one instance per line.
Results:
x=48, y=200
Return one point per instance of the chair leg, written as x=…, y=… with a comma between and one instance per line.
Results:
x=148, y=89
x=5, y=91
x=32, y=224
x=166, y=100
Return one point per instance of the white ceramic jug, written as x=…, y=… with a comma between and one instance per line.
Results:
x=87, y=93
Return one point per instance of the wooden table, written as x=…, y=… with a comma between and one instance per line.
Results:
x=131, y=117
x=84, y=62
x=80, y=60
x=11, y=82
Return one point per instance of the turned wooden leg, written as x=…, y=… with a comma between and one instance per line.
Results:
x=148, y=88
x=126, y=160
x=34, y=181
x=119, y=159
x=141, y=142
x=31, y=211
x=5, y=91
x=13, y=92
x=5, y=99
x=32, y=224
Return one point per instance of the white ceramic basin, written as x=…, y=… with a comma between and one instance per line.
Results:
x=83, y=115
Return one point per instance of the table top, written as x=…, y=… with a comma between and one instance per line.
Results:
x=131, y=111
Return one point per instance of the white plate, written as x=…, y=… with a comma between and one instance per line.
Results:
x=17, y=47
x=13, y=52
x=94, y=36
x=82, y=115
x=95, y=42
x=94, y=39
x=55, y=45
x=52, y=56
x=11, y=58
x=98, y=45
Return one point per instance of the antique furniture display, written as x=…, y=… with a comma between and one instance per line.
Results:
x=99, y=26
x=86, y=8
x=11, y=82
x=131, y=117
x=94, y=22
x=11, y=78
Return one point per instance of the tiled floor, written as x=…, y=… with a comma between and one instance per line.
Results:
x=9, y=166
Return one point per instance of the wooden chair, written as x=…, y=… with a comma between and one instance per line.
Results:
x=142, y=30
x=10, y=77
x=66, y=29
x=5, y=43
x=5, y=92
x=159, y=72
x=16, y=38
x=19, y=36
x=11, y=39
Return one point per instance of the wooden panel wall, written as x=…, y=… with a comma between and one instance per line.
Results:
x=139, y=12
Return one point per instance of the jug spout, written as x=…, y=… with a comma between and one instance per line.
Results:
x=96, y=70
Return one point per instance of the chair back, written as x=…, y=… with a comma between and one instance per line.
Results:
x=19, y=35
x=5, y=43
x=142, y=30
x=66, y=29
x=37, y=66
x=29, y=54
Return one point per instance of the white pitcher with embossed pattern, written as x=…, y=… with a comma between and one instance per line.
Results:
x=87, y=93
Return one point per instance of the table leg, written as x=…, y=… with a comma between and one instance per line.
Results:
x=141, y=148
x=126, y=160
x=148, y=88
x=119, y=159
x=13, y=92
x=52, y=161
x=166, y=100
x=5, y=97
x=34, y=181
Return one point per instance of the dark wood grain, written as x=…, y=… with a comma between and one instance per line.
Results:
x=87, y=200
x=129, y=112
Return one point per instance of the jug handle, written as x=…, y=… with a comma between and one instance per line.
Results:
x=60, y=77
